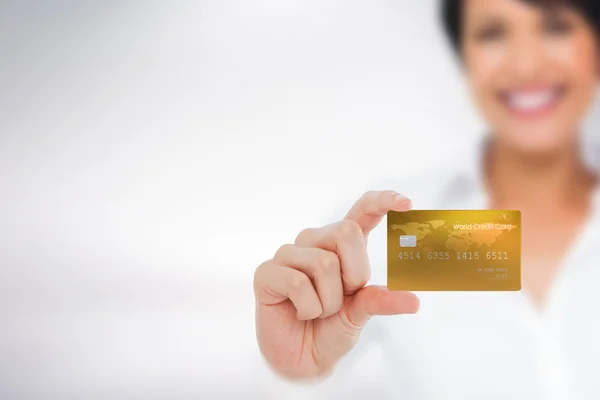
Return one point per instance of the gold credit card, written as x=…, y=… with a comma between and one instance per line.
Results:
x=454, y=250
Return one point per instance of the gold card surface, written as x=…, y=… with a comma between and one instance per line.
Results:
x=454, y=250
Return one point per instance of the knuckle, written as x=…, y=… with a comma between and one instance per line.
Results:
x=298, y=282
x=329, y=264
x=362, y=282
x=369, y=193
x=259, y=274
x=364, y=276
x=284, y=252
x=349, y=228
x=305, y=235
x=368, y=196
x=360, y=279
x=259, y=270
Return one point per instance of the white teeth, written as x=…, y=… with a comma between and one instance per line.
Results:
x=531, y=101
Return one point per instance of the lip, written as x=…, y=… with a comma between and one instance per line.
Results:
x=533, y=102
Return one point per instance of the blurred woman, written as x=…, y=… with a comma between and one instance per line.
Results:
x=533, y=68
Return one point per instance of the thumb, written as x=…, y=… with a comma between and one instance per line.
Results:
x=378, y=300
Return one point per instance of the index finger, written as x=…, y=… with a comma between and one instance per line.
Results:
x=370, y=209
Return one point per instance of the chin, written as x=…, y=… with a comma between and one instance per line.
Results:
x=537, y=143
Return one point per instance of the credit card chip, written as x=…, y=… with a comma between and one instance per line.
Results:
x=408, y=241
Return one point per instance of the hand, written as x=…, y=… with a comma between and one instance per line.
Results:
x=312, y=302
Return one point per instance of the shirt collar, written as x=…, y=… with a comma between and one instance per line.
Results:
x=468, y=177
x=590, y=150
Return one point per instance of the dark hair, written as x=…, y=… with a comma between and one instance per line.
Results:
x=451, y=13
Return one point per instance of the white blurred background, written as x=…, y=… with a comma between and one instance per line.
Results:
x=152, y=154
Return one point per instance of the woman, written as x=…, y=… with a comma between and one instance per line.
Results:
x=533, y=69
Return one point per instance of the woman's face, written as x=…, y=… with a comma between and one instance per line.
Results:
x=533, y=70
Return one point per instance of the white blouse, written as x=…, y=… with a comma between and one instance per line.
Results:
x=474, y=345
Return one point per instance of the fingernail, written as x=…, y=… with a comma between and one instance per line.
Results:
x=404, y=202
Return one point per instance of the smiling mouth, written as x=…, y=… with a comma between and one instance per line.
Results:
x=533, y=102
